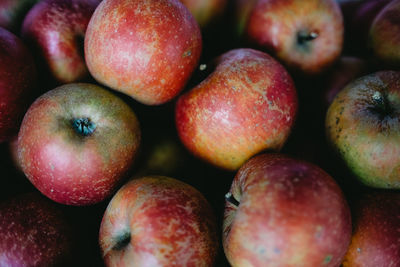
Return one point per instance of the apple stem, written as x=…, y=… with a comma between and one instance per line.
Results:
x=304, y=37
x=381, y=103
x=83, y=126
x=231, y=199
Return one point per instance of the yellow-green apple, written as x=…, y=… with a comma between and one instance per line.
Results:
x=55, y=30
x=363, y=126
x=12, y=13
x=34, y=232
x=77, y=142
x=205, y=11
x=145, y=49
x=384, y=35
x=158, y=221
x=376, y=235
x=306, y=35
x=281, y=211
x=246, y=105
x=17, y=83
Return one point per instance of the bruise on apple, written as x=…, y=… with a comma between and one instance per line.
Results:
x=363, y=126
x=287, y=212
x=158, y=221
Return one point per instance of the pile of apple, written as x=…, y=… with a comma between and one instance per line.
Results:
x=200, y=133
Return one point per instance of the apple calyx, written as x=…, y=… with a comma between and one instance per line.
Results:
x=304, y=38
x=83, y=126
x=122, y=241
x=381, y=104
x=231, y=199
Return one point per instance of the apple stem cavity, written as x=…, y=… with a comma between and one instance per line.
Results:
x=381, y=104
x=122, y=241
x=83, y=126
x=231, y=199
x=304, y=37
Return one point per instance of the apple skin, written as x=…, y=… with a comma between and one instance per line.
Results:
x=281, y=211
x=205, y=11
x=384, y=35
x=34, y=232
x=362, y=126
x=17, y=83
x=307, y=36
x=145, y=49
x=376, y=235
x=246, y=105
x=72, y=161
x=12, y=13
x=55, y=30
x=158, y=221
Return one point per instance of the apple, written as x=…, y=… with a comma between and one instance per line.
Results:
x=55, y=30
x=145, y=49
x=205, y=11
x=307, y=36
x=383, y=35
x=363, y=127
x=77, y=142
x=281, y=211
x=158, y=221
x=34, y=232
x=376, y=235
x=12, y=13
x=246, y=105
x=17, y=83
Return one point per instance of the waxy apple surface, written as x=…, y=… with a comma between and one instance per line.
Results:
x=376, y=234
x=307, y=36
x=55, y=29
x=17, y=82
x=33, y=233
x=145, y=49
x=246, y=105
x=363, y=126
x=158, y=221
x=281, y=211
x=77, y=142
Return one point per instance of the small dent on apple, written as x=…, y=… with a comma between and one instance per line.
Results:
x=84, y=126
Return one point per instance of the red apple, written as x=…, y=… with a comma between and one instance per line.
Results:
x=12, y=13
x=376, y=235
x=384, y=35
x=281, y=211
x=307, y=36
x=17, y=81
x=363, y=126
x=158, y=221
x=33, y=233
x=145, y=49
x=205, y=11
x=246, y=105
x=55, y=29
x=77, y=142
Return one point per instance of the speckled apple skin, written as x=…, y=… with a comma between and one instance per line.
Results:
x=146, y=49
x=384, y=34
x=274, y=24
x=17, y=83
x=367, y=140
x=55, y=30
x=170, y=223
x=291, y=213
x=70, y=168
x=376, y=234
x=33, y=233
x=246, y=105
